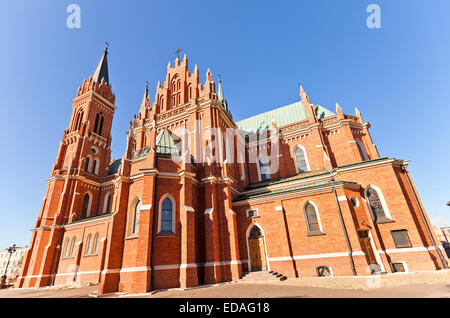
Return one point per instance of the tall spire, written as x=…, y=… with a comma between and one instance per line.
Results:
x=144, y=100
x=101, y=71
x=220, y=96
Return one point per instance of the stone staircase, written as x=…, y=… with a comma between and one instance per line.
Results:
x=261, y=276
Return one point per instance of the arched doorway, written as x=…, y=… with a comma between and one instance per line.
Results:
x=256, y=249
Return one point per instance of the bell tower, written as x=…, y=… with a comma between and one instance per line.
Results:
x=85, y=148
x=75, y=184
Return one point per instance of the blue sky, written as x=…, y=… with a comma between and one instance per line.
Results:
x=398, y=76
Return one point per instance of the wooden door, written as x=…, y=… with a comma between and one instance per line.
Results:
x=257, y=253
x=367, y=247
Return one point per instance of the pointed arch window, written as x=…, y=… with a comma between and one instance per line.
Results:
x=312, y=219
x=176, y=92
x=95, y=166
x=88, y=245
x=167, y=215
x=95, y=243
x=107, y=205
x=85, y=206
x=87, y=165
x=189, y=91
x=79, y=120
x=98, y=126
x=136, y=215
x=301, y=160
x=72, y=246
x=66, y=247
x=264, y=171
x=144, y=140
x=362, y=149
x=255, y=232
x=377, y=205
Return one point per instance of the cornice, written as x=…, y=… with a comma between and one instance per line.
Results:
x=95, y=94
x=328, y=176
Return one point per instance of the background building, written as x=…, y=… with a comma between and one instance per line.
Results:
x=15, y=263
x=442, y=233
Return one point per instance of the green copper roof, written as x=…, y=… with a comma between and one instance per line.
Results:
x=282, y=116
x=114, y=167
x=292, y=189
x=165, y=143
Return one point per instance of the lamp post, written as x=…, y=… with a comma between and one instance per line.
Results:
x=11, y=250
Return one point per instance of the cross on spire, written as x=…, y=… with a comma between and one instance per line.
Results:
x=177, y=52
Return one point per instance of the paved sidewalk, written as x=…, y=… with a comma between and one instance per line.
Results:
x=422, y=284
x=366, y=282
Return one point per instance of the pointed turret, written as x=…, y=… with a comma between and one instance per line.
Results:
x=339, y=112
x=145, y=98
x=358, y=114
x=101, y=71
x=304, y=97
x=220, y=95
x=310, y=110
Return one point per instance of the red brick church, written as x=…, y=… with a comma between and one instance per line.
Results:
x=198, y=198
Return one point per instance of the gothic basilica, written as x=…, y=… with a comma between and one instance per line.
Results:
x=199, y=198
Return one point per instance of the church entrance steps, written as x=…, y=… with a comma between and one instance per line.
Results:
x=262, y=276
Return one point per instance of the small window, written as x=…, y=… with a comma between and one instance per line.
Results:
x=354, y=201
x=255, y=232
x=136, y=214
x=95, y=245
x=79, y=120
x=88, y=162
x=85, y=206
x=376, y=206
x=324, y=271
x=72, y=246
x=95, y=166
x=398, y=267
x=107, y=203
x=312, y=219
x=401, y=238
x=166, y=215
x=252, y=213
x=88, y=245
x=98, y=126
x=66, y=248
x=264, y=171
x=300, y=160
x=362, y=150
